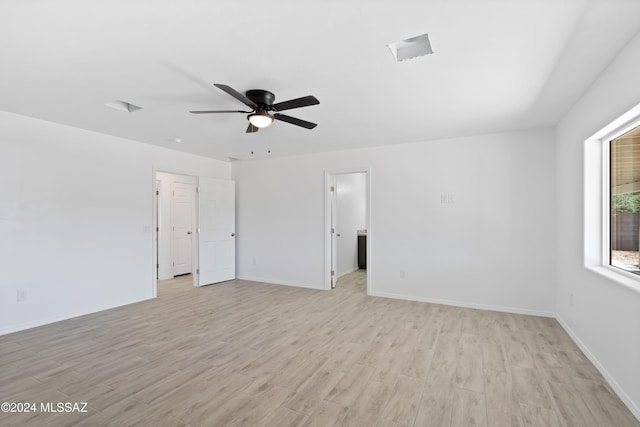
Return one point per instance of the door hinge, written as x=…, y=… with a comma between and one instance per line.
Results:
x=157, y=193
x=333, y=230
x=157, y=265
x=197, y=271
x=197, y=189
x=174, y=264
x=157, y=229
x=332, y=188
x=333, y=272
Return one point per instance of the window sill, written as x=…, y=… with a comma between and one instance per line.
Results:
x=628, y=280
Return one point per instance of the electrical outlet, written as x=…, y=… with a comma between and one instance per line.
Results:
x=21, y=296
x=446, y=199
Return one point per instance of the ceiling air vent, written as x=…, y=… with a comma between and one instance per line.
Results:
x=123, y=106
x=411, y=48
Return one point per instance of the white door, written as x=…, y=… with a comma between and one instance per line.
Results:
x=158, y=217
x=334, y=241
x=181, y=218
x=217, y=222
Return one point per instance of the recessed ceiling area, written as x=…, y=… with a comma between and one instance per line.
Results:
x=499, y=65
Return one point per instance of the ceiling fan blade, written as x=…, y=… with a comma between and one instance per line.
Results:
x=218, y=111
x=294, y=121
x=296, y=103
x=252, y=129
x=237, y=95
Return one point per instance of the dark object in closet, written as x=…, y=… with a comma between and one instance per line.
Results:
x=362, y=251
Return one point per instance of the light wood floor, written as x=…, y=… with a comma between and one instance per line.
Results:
x=253, y=354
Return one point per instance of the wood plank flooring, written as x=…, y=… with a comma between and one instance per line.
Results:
x=252, y=354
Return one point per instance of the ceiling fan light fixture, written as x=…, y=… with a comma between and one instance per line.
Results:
x=260, y=119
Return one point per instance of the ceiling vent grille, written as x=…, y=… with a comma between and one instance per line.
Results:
x=127, y=107
x=413, y=47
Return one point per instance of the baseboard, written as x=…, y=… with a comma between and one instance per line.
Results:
x=635, y=410
x=281, y=282
x=502, y=309
x=53, y=319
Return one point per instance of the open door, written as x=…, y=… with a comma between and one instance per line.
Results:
x=334, y=243
x=216, y=239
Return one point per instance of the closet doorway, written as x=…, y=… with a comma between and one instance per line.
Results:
x=347, y=223
x=194, y=221
x=176, y=224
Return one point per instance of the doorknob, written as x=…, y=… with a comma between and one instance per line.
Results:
x=233, y=234
x=188, y=232
x=338, y=234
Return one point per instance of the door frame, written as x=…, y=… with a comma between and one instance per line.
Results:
x=157, y=200
x=329, y=175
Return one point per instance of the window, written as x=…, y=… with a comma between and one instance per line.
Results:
x=624, y=204
x=611, y=202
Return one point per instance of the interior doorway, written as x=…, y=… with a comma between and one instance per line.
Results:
x=347, y=228
x=176, y=219
x=194, y=222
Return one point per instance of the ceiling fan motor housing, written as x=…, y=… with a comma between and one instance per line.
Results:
x=261, y=97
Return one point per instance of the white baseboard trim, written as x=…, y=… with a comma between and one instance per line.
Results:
x=53, y=319
x=635, y=410
x=502, y=309
x=281, y=282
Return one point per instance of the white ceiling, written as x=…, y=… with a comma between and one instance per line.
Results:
x=498, y=65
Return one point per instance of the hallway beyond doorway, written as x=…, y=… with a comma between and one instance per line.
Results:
x=355, y=281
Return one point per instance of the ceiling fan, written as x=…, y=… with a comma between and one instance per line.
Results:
x=261, y=102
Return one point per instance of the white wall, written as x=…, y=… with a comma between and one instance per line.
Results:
x=605, y=316
x=75, y=219
x=351, y=216
x=494, y=246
